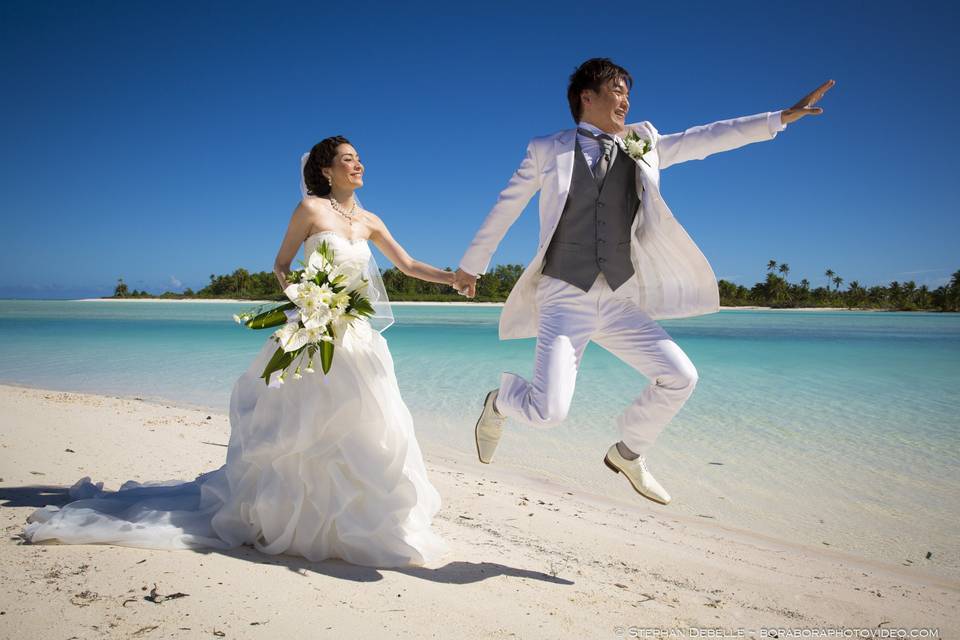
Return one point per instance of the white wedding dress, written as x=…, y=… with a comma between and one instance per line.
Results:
x=327, y=466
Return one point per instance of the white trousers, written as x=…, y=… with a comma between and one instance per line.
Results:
x=569, y=319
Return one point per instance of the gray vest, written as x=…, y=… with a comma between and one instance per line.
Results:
x=593, y=233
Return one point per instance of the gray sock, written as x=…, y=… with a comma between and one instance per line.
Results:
x=625, y=452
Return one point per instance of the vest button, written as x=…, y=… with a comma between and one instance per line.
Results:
x=599, y=204
x=602, y=259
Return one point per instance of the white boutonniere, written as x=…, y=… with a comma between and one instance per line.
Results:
x=635, y=146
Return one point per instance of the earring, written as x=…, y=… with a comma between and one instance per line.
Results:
x=330, y=181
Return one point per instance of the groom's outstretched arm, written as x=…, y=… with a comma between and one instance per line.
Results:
x=696, y=143
x=511, y=203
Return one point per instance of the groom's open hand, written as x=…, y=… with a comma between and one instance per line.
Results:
x=465, y=283
x=805, y=106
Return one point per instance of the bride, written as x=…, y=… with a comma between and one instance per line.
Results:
x=324, y=466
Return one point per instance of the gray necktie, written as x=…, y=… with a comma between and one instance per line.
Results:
x=606, y=145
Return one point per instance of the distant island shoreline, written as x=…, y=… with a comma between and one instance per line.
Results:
x=493, y=288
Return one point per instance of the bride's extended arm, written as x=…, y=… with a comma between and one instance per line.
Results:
x=296, y=233
x=401, y=259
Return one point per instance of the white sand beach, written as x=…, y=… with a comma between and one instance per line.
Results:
x=529, y=558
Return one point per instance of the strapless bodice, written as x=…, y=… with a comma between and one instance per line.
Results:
x=343, y=247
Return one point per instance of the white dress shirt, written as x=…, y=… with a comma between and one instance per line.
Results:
x=591, y=148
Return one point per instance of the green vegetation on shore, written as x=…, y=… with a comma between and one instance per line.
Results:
x=775, y=291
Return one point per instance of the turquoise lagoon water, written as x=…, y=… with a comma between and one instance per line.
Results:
x=829, y=427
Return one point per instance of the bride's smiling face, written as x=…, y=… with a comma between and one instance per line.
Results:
x=346, y=170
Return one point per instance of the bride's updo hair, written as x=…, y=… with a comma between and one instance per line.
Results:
x=321, y=155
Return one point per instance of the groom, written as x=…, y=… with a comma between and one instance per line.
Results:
x=612, y=260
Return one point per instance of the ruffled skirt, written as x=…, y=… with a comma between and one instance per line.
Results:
x=327, y=466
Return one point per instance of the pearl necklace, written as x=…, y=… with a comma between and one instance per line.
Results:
x=343, y=212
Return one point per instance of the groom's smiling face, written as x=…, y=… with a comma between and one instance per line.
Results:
x=607, y=108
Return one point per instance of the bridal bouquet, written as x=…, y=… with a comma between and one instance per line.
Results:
x=325, y=298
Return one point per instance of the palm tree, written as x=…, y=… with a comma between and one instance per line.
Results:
x=805, y=284
x=895, y=293
x=909, y=289
x=955, y=280
x=923, y=297
x=951, y=293
x=856, y=292
x=240, y=277
x=829, y=273
x=784, y=269
x=837, y=281
x=771, y=265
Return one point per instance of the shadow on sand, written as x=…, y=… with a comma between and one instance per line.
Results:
x=457, y=572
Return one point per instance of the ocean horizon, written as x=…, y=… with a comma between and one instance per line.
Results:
x=826, y=428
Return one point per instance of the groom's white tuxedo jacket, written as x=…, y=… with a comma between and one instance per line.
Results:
x=672, y=277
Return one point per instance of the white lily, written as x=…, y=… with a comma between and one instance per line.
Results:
x=291, y=336
x=325, y=294
x=360, y=285
x=317, y=302
x=340, y=325
x=320, y=335
x=346, y=273
x=301, y=291
x=340, y=300
x=318, y=318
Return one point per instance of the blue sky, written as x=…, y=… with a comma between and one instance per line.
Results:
x=160, y=142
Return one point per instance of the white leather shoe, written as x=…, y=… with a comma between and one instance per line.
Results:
x=489, y=429
x=637, y=473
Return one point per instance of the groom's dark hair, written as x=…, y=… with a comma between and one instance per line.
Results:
x=593, y=74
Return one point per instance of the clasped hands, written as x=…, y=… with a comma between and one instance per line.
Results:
x=465, y=283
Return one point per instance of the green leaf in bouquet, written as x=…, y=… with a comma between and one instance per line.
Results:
x=271, y=317
x=360, y=304
x=326, y=251
x=296, y=276
x=326, y=355
x=281, y=360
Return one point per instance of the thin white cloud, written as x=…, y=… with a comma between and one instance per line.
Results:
x=176, y=284
x=907, y=273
